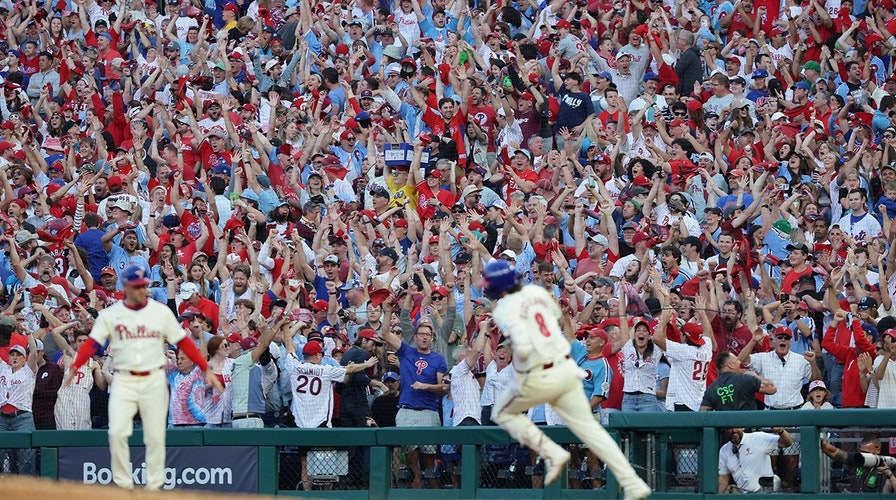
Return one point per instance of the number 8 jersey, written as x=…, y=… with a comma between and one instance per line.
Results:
x=531, y=318
x=312, y=391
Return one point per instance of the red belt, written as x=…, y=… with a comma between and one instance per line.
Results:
x=551, y=365
x=142, y=374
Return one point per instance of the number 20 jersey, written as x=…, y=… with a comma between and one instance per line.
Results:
x=312, y=391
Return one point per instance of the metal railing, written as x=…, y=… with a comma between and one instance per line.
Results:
x=653, y=442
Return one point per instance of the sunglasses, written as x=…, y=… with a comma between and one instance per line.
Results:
x=782, y=337
x=437, y=297
x=680, y=113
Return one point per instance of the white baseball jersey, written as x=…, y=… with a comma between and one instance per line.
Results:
x=138, y=336
x=688, y=366
x=72, y=409
x=866, y=225
x=530, y=318
x=312, y=391
x=16, y=388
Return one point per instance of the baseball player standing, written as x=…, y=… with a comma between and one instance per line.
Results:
x=546, y=373
x=138, y=329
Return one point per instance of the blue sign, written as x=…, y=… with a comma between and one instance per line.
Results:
x=231, y=469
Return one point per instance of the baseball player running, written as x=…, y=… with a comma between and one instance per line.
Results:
x=138, y=329
x=546, y=373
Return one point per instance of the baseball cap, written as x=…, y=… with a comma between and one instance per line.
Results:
x=320, y=305
x=390, y=252
x=24, y=236
x=312, y=348
x=694, y=333
x=187, y=290
x=370, y=334
x=600, y=240
x=599, y=333
x=817, y=384
x=39, y=290
x=783, y=330
x=248, y=343
x=639, y=237
x=760, y=73
x=108, y=270
x=190, y=313
x=390, y=376
x=17, y=348
x=868, y=302
x=331, y=259
x=798, y=246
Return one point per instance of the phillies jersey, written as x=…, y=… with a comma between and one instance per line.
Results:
x=687, y=374
x=137, y=336
x=312, y=391
x=16, y=388
x=419, y=367
x=530, y=318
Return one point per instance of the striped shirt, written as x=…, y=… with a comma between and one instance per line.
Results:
x=312, y=391
x=687, y=373
x=639, y=372
x=786, y=373
x=495, y=383
x=465, y=394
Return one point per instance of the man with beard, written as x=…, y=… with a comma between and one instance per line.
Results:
x=56, y=287
x=278, y=219
x=213, y=119
x=235, y=284
x=732, y=332
x=486, y=117
x=745, y=459
x=125, y=253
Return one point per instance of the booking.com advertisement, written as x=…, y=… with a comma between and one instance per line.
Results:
x=231, y=469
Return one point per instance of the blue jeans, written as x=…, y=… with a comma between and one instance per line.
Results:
x=638, y=402
x=834, y=374
x=22, y=460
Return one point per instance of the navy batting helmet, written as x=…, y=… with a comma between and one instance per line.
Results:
x=134, y=275
x=499, y=277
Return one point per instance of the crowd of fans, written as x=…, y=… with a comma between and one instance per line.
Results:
x=702, y=185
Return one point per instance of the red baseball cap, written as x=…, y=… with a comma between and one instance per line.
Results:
x=370, y=334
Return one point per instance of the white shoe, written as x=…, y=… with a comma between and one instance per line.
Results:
x=554, y=467
x=638, y=492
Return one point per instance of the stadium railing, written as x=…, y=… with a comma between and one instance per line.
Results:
x=652, y=441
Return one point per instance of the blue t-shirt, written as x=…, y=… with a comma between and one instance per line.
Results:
x=574, y=108
x=91, y=242
x=419, y=367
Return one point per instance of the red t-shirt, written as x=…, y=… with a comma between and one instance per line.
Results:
x=791, y=277
x=424, y=194
x=512, y=187
x=210, y=159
